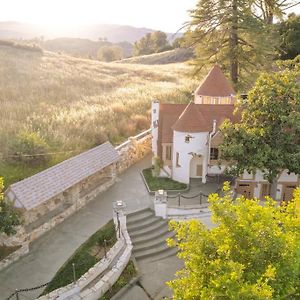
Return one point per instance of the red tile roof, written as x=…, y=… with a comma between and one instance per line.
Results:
x=215, y=84
x=190, y=118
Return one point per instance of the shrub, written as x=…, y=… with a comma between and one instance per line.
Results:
x=29, y=147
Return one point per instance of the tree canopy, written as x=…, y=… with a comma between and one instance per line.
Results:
x=110, y=53
x=267, y=137
x=237, y=34
x=152, y=43
x=253, y=253
x=289, y=31
x=9, y=218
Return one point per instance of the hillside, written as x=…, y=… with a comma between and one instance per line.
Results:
x=113, y=33
x=167, y=57
x=75, y=104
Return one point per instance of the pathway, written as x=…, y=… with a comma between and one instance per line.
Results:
x=50, y=251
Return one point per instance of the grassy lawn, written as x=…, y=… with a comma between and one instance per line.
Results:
x=128, y=273
x=87, y=255
x=156, y=183
x=5, y=251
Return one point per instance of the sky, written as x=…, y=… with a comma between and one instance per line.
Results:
x=166, y=15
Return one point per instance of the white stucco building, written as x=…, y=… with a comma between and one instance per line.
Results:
x=186, y=138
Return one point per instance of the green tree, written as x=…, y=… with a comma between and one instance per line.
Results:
x=227, y=32
x=151, y=43
x=9, y=218
x=268, y=9
x=267, y=137
x=289, y=31
x=110, y=53
x=253, y=253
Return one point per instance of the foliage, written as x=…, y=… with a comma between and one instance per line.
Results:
x=152, y=43
x=228, y=33
x=162, y=183
x=267, y=137
x=289, y=31
x=82, y=258
x=253, y=253
x=110, y=53
x=127, y=275
x=157, y=165
x=29, y=147
x=9, y=218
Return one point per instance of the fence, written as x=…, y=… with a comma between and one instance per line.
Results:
x=17, y=292
x=201, y=196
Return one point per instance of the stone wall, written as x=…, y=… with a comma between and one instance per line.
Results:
x=133, y=151
x=109, y=268
x=44, y=217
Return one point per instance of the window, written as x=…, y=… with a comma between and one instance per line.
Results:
x=187, y=138
x=169, y=152
x=177, y=160
x=214, y=153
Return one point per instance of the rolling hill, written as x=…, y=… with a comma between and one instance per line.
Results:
x=113, y=33
x=167, y=57
x=74, y=104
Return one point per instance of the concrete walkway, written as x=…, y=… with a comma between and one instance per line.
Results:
x=50, y=251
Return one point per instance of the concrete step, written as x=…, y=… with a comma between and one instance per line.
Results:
x=161, y=233
x=159, y=224
x=151, y=239
x=155, y=253
x=190, y=216
x=138, y=225
x=154, y=243
x=139, y=216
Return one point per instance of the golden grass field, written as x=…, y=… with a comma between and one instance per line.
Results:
x=75, y=104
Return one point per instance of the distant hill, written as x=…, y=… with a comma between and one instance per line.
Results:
x=167, y=57
x=82, y=47
x=113, y=33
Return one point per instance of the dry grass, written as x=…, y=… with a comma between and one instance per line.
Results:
x=76, y=103
x=167, y=57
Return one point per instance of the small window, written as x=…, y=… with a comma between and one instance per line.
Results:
x=187, y=138
x=214, y=153
x=177, y=160
x=154, y=110
x=168, y=152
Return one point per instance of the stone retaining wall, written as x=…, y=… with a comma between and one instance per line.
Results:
x=118, y=255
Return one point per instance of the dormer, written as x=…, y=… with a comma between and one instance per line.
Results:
x=215, y=89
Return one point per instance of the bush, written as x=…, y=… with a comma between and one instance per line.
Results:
x=30, y=148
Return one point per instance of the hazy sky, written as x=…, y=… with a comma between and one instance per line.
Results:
x=167, y=15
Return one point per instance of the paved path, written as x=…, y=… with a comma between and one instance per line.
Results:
x=50, y=251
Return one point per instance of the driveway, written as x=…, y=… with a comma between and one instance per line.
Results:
x=49, y=252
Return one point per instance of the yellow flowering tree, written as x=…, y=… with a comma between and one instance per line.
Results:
x=9, y=218
x=252, y=253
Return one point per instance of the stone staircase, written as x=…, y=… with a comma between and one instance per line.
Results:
x=148, y=234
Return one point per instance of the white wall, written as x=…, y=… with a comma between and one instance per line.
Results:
x=154, y=120
x=198, y=144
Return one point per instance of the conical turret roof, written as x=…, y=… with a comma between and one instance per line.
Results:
x=191, y=120
x=215, y=84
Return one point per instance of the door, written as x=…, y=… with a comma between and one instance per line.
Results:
x=245, y=189
x=287, y=192
x=265, y=190
x=199, y=170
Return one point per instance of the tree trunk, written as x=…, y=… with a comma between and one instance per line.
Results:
x=273, y=189
x=233, y=46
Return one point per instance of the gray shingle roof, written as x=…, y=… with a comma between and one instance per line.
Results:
x=40, y=187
